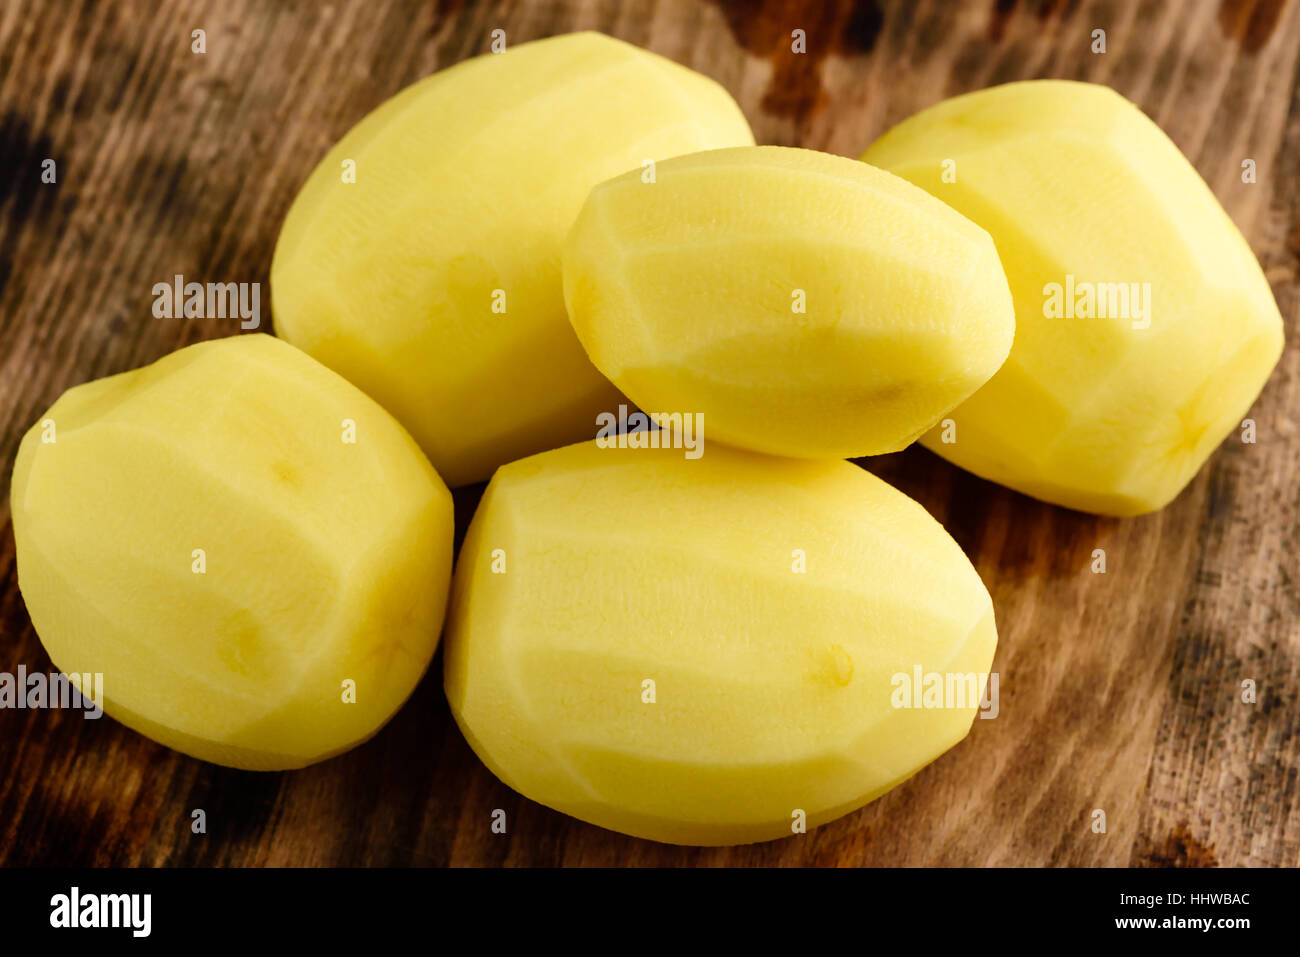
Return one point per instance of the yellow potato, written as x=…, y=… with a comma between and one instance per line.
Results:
x=229, y=536
x=701, y=651
x=1144, y=326
x=432, y=282
x=806, y=304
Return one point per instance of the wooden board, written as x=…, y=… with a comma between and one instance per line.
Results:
x=1119, y=692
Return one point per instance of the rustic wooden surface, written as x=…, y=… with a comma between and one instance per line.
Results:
x=1119, y=691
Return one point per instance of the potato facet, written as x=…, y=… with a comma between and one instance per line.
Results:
x=1144, y=325
x=695, y=651
x=432, y=282
x=807, y=305
x=205, y=533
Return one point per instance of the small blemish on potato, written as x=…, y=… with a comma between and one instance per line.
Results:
x=241, y=644
x=287, y=473
x=838, y=664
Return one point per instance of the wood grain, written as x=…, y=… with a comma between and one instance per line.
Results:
x=1118, y=691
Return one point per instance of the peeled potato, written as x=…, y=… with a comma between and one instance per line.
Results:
x=234, y=537
x=1085, y=197
x=806, y=304
x=433, y=281
x=699, y=651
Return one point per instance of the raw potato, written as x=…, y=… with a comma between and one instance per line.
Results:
x=588, y=572
x=432, y=282
x=1112, y=415
x=808, y=305
x=322, y=560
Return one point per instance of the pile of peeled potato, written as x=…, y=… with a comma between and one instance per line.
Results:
x=251, y=539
